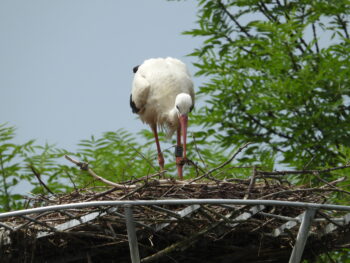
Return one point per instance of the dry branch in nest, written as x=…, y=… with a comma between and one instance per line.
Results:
x=195, y=233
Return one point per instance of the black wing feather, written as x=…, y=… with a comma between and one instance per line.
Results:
x=133, y=105
x=135, y=69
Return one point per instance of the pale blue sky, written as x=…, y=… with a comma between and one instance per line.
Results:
x=66, y=66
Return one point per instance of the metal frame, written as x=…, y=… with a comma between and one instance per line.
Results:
x=306, y=219
x=175, y=202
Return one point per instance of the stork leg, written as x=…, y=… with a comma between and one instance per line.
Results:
x=160, y=155
x=179, y=154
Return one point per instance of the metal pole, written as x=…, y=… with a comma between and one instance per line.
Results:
x=130, y=226
x=302, y=236
x=175, y=202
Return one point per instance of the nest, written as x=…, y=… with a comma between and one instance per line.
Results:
x=206, y=233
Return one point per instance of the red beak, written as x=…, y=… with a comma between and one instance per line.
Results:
x=183, y=122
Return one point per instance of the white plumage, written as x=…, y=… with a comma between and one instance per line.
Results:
x=162, y=94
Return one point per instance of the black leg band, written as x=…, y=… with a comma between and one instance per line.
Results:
x=178, y=151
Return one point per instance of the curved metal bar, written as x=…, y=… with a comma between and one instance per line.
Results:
x=175, y=202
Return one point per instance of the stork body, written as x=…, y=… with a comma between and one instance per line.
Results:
x=162, y=95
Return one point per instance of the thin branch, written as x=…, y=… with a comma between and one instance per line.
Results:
x=266, y=12
x=240, y=47
x=300, y=191
x=258, y=122
x=72, y=181
x=251, y=184
x=223, y=164
x=197, y=151
x=85, y=167
x=343, y=25
x=143, y=156
x=230, y=160
x=315, y=37
x=38, y=176
x=198, y=168
x=332, y=184
x=243, y=29
x=303, y=171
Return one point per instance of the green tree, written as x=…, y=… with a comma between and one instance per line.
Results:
x=116, y=156
x=278, y=75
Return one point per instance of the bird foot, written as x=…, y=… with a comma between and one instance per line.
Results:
x=180, y=162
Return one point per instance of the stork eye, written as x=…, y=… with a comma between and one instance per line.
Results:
x=177, y=107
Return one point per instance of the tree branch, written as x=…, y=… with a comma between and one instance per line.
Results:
x=343, y=24
x=243, y=29
x=259, y=123
x=38, y=176
x=315, y=37
x=85, y=167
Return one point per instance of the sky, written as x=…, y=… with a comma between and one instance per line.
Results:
x=66, y=66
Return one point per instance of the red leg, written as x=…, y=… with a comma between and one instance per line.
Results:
x=160, y=155
x=178, y=154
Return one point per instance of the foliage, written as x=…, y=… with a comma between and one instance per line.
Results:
x=278, y=76
x=116, y=156
x=10, y=166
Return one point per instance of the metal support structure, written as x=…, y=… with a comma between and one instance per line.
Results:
x=192, y=206
x=302, y=236
x=175, y=202
x=130, y=226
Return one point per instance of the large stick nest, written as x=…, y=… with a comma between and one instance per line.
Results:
x=208, y=234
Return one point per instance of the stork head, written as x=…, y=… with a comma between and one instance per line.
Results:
x=184, y=105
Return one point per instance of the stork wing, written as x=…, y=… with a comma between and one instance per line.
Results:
x=139, y=93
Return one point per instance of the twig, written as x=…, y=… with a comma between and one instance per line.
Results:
x=197, y=150
x=243, y=29
x=85, y=167
x=102, y=194
x=144, y=178
x=71, y=180
x=38, y=176
x=329, y=219
x=303, y=171
x=221, y=165
x=315, y=37
x=332, y=184
x=251, y=184
x=183, y=244
x=301, y=190
x=132, y=192
x=190, y=162
x=343, y=25
x=142, y=156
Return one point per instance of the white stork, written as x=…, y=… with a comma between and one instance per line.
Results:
x=163, y=96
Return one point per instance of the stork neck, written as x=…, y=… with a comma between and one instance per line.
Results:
x=173, y=115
